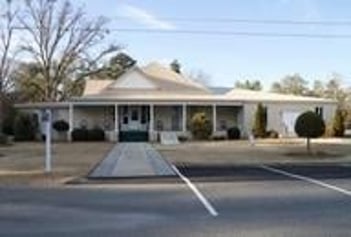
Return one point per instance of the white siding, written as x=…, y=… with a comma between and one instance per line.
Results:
x=275, y=114
x=93, y=116
x=228, y=115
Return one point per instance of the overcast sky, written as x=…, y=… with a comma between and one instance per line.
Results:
x=230, y=58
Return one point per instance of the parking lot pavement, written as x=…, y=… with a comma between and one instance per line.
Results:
x=252, y=201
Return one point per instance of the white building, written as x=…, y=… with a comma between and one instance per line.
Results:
x=153, y=99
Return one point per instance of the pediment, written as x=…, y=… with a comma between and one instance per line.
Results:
x=134, y=79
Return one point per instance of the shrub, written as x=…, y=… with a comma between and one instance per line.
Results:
x=3, y=139
x=309, y=125
x=200, y=126
x=233, y=133
x=329, y=131
x=83, y=134
x=8, y=123
x=24, y=127
x=218, y=137
x=260, y=123
x=79, y=134
x=183, y=138
x=96, y=134
x=60, y=126
x=272, y=134
x=338, y=127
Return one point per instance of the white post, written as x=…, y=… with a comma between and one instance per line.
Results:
x=184, y=118
x=214, y=117
x=116, y=119
x=47, y=118
x=151, y=125
x=70, y=118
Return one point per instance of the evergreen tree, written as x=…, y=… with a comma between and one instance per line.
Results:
x=260, y=122
x=175, y=66
x=339, y=123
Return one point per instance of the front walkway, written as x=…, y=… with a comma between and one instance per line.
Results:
x=132, y=160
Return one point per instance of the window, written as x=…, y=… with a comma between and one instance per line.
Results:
x=125, y=120
x=144, y=114
x=223, y=125
x=159, y=125
x=319, y=111
x=135, y=115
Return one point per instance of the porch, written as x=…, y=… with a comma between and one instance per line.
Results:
x=141, y=122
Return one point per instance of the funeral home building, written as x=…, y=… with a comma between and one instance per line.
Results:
x=153, y=99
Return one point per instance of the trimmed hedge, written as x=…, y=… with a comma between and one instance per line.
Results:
x=83, y=134
x=233, y=133
x=309, y=125
x=96, y=134
x=61, y=126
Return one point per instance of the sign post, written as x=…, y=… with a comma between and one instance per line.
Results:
x=46, y=118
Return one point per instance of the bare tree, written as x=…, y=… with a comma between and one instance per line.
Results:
x=62, y=40
x=7, y=55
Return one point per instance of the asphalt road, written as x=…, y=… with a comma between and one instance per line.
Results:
x=250, y=201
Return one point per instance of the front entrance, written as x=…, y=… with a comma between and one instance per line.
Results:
x=134, y=118
x=134, y=123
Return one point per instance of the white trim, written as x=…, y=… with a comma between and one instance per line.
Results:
x=184, y=115
x=307, y=179
x=214, y=118
x=151, y=123
x=198, y=194
x=71, y=117
x=116, y=118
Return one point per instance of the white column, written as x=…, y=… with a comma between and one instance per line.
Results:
x=116, y=118
x=48, y=122
x=71, y=120
x=184, y=118
x=214, y=117
x=116, y=122
x=151, y=125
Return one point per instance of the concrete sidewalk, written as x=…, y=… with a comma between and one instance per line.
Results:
x=132, y=160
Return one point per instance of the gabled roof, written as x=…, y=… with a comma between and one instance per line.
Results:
x=94, y=86
x=162, y=80
x=159, y=83
x=157, y=71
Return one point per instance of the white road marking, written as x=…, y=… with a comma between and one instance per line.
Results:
x=199, y=195
x=307, y=179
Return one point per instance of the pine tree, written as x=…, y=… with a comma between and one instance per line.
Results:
x=176, y=66
x=260, y=122
x=339, y=123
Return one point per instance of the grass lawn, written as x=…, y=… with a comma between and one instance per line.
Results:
x=264, y=152
x=23, y=163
